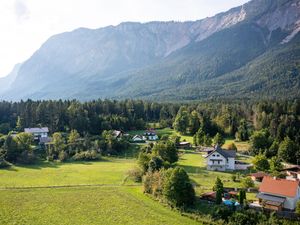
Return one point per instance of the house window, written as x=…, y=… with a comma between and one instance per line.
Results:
x=218, y=155
x=214, y=155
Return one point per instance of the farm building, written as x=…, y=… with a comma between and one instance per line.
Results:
x=278, y=194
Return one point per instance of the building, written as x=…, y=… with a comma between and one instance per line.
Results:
x=258, y=177
x=117, y=133
x=138, y=138
x=292, y=172
x=153, y=137
x=278, y=194
x=185, y=145
x=221, y=160
x=38, y=132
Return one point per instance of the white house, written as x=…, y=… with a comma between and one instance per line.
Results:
x=278, y=194
x=153, y=137
x=37, y=132
x=221, y=160
x=138, y=138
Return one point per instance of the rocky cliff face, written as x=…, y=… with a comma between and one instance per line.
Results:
x=68, y=64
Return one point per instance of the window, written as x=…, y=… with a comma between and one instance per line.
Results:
x=218, y=155
x=214, y=155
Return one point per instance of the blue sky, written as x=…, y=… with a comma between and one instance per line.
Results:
x=26, y=24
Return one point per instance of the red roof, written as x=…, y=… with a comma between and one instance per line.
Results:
x=258, y=174
x=280, y=187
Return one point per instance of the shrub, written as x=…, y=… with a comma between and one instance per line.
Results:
x=135, y=174
x=86, y=155
x=63, y=156
x=247, y=182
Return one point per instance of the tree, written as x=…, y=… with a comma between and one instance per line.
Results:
x=20, y=124
x=261, y=163
x=199, y=137
x=247, y=182
x=298, y=207
x=181, y=121
x=155, y=164
x=275, y=165
x=10, y=147
x=178, y=189
x=260, y=140
x=143, y=161
x=242, y=196
x=288, y=151
x=194, y=122
x=167, y=151
x=219, y=189
x=242, y=134
x=218, y=140
x=73, y=137
x=58, y=142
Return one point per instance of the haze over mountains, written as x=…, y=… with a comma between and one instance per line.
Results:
x=249, y=51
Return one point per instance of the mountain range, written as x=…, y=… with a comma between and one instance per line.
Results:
x=251, y=51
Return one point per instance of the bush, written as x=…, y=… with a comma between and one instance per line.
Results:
x=135, y=174
x=86, y=156
x=247, y=182
x=4, y=163
x=63, y=156
x=153, y=183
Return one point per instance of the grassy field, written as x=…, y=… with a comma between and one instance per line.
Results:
x=242, y=146
x=108, y=171
x=195, y=165
x=101, y=205
x=108, y=201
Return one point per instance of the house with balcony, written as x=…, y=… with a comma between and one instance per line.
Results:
x=221, y=160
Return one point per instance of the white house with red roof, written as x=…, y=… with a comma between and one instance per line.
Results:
x=278, y=194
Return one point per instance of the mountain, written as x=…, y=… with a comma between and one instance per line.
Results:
x=5, y=82
x=248, y=51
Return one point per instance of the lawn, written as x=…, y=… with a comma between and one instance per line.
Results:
x=109, y=171
x=89, y=205
x=195, y=164
x=242, y=146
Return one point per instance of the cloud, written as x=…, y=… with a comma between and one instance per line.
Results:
x=21, y=10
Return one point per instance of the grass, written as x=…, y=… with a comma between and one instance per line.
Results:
x=195, y=164
x=101, y=205
x=111, y=203
x=108, y=171
x=242, y=146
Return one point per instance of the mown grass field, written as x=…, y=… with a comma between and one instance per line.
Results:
x=92, y=205
x=108, y=171
x=109, y=201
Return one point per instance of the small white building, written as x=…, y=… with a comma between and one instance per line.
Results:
x=138, y=138
x=153, y=137
x=278, y=194
x=38, y=132
x=221, y=160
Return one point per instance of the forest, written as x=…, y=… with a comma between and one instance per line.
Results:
x=271, y=127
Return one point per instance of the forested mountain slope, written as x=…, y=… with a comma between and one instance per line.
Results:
x=248, y=51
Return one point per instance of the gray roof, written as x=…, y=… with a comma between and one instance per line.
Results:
x=37, y=130
x=226, y=153
x=270, y=198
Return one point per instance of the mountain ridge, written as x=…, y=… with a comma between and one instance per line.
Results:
x=141, y=60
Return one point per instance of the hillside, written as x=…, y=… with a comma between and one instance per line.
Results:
x=245, y=52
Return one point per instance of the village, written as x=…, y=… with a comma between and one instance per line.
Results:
x=268, y=192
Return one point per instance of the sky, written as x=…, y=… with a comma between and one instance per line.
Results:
x=26, y=24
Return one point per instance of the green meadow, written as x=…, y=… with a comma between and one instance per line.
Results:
x=94, y=192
